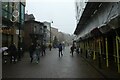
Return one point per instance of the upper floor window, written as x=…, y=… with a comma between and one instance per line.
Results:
x=5, y=5
x=35, y=29
x=22, y=13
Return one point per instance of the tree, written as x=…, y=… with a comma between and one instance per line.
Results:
x=55, y=42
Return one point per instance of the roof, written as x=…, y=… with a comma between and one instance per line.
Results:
x=88, y=11
x=29, y=21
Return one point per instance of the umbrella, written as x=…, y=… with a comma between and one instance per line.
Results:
x=3, y=49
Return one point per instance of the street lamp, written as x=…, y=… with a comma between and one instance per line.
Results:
x=50, y=36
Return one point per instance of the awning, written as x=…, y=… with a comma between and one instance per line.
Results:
x=104, y=29
x=114, y=22
x=96, y=32
x=93, y=33
x=88, y=11
x=88, y=35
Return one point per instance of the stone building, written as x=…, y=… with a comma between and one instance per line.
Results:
x=34, y=32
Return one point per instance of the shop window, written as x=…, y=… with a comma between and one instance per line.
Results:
x=5, y=6
x=22, y=13
x=4, y=14
x=11, y=8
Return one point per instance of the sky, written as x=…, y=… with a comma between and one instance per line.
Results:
x=61, y=12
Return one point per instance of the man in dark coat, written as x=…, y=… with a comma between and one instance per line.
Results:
x=43, y=48
x=13, y=52
x=50, y=47
x=72, y=49
x=60, y=49
x=31, y=51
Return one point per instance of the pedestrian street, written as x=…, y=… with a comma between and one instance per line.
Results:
x=51, y=66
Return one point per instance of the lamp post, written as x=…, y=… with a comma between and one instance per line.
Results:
x=50, y=36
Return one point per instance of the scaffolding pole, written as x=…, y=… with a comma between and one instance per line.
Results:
x=94, y=56
x=100, y=53
x=117, y=47
x=107, y=63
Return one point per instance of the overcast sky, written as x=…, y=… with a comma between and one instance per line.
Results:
x=61, y=12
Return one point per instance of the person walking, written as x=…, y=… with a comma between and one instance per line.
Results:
x=13, y=52
x=64, y=46
x=37, y=52
x=50, y=47
x=72, y=50
x=60, y=49
x=77, y=50
x=31, y=51
x=43, y=48
x=20, y=51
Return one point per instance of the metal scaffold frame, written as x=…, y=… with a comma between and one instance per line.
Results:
x=107, y=63
x=118, y=56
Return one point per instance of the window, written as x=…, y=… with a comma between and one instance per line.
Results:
x=5, y=6
x=4, y=14
x=22, y=13
x=10, y=7
x=7, y=9
x=35, y=29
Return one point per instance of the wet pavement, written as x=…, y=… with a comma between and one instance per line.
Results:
x=51, y=66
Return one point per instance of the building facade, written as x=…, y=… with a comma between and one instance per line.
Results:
x=34, y=32
x=48, y=32
x=29, y=17
x=54, y=32
x=12, y=22
x=98, y=33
